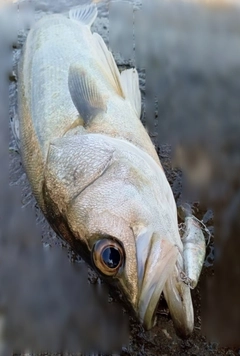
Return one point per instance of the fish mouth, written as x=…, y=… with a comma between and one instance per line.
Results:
x=155, y=264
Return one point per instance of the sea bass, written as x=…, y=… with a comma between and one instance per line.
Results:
x=93, y=168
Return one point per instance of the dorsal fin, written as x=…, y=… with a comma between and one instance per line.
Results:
x=84, y=93
x=130, y=85
x=85, y=14
x=108, y=64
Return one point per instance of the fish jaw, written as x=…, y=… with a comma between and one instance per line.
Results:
x=159, y=270
x=153, y=273
x=178, y=297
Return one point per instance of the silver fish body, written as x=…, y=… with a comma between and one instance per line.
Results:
x=92, y=166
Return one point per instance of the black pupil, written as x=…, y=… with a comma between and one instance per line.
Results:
x=111, y=257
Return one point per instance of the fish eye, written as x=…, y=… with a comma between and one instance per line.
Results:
x=108, y=256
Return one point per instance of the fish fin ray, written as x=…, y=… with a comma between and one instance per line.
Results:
x=84, y=93
x=85, y=14
x=108, y=64
x=130, y=85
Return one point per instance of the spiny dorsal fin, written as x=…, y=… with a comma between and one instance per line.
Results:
x=130, y=85
x=84, y=93
x=85, y=14
x=108, y=64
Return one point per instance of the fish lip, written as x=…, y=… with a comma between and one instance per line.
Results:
x=147, y=311
x=162, y=257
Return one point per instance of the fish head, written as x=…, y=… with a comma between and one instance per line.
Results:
x=128, y=254
x=109, y=206
x=137, y=261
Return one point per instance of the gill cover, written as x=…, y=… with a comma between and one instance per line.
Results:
x=74, y=163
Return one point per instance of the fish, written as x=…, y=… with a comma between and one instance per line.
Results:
x=93, y=168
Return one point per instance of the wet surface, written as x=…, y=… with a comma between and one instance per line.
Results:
x=162, y=339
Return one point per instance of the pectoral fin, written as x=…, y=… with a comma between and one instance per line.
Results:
x=84, y=93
